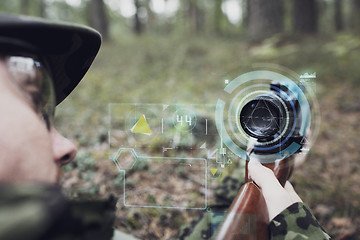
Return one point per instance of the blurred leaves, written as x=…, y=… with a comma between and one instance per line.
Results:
x=153, y=69
x=343, y=45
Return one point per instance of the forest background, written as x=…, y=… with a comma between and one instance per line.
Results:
x=172, y=51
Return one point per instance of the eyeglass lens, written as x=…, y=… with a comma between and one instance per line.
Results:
x=34, y=81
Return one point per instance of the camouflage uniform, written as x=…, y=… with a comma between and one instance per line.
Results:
x=294, y=223
x=43, y=212
x=206, y=224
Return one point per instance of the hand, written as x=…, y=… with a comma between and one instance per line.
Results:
x=277, y=198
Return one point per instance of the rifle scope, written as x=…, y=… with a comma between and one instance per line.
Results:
x=272, y=117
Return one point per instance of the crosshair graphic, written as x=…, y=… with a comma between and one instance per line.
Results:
x=266, y=107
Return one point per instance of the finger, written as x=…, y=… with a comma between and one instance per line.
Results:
x=291, y=191
x=251, y=144
x=263, y=176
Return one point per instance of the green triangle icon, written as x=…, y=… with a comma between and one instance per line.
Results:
x=141, y=126
x=213, y=171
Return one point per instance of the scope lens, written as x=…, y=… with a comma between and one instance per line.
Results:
x=262, y=117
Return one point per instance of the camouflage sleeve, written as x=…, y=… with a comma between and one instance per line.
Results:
x=43, y=212
x=27, y=211
x=296, y=222
x=208, y=221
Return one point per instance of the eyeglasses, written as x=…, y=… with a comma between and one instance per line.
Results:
x=34, y=81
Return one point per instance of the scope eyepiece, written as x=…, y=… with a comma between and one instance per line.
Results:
x=263, y=117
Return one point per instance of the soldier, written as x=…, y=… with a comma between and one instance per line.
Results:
x=41, y=62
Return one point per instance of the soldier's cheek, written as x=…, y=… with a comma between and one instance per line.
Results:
x=58, y=174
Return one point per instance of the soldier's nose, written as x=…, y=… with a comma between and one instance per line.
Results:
x=64, y=150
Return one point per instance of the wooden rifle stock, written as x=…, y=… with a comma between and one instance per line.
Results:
x=248, y=218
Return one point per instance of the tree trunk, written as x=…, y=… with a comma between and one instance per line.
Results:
x=151, y=23
x=355, y=17
x=246, y=5
x=97, y=17
x=265, y=18
x=195, y=16
x=42, y=8
x=138, y=27
x=218, y=17
x=305, y=16
x=25, y=6
x=338, y=20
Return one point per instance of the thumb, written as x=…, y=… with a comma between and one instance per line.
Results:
x=263, y=176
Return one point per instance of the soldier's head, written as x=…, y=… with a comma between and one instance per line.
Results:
x=41, y=62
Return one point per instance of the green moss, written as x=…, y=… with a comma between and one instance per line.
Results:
x=150, y=212
x=133, y=222
x=151, y=199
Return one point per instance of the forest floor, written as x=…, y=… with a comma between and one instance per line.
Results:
x=169, y=70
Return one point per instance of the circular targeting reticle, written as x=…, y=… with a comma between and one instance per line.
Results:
x=262, y=117
x=266, y=107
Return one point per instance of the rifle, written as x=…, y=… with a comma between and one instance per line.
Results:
x=247, y=217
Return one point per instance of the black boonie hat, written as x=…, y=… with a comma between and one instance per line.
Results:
x=69, y=49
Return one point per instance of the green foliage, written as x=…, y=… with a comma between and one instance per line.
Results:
x=21, y=7
x=151, y=199
x=181, y=171
x=84, y=161
x=140, y=165
x=133, y=221
x=118, y=181
x=151, y=212
x=343, y=45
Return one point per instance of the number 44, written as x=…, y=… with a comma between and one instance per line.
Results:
x=180, y=119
